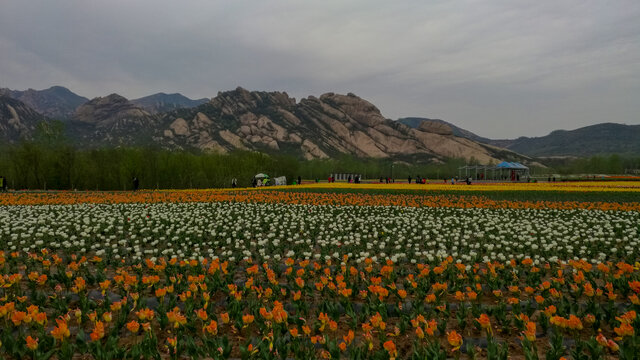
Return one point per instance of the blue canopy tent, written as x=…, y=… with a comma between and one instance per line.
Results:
x=514, y=170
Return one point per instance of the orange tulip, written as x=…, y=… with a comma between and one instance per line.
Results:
x=133, y=326
x=455, y=340
x=225, y=318
x=211, y=328
x=61, y=331
x=98, y=331
x=247, y=319
x=624, y=329
x=32, y=343
x=391, y=349
x=530, y=331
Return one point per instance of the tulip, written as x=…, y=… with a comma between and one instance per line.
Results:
x=32, y=343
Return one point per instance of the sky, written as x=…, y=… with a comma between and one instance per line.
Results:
x=499, y=68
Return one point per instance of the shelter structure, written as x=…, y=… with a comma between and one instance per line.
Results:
x=512, y=171
x=346, y=177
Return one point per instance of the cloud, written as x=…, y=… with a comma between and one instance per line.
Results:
x=502, y=68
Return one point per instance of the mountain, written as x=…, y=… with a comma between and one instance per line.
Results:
x=599, y=139
x=17, y=120
x=161, y=102
x=110, y=120
x=415, y=122
x=56, y=102
x=270, y=122
x=315, y=127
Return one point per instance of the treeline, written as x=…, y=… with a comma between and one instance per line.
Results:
x=44, y=165
x=37, y=166
x=55, y=164
x=603, y=164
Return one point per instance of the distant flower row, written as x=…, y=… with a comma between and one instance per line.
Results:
x=301, y=196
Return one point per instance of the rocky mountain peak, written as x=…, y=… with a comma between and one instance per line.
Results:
x=163, y=102
x=240, y=101
x=103, y=111
x=55, y=102
x=355, y=107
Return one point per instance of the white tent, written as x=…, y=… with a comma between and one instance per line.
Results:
x=280, y=180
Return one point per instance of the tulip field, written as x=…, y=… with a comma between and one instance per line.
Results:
x=342, y=271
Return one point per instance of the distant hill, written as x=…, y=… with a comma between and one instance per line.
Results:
x=414, y=122
x=599, y=139
x=161, y=102
x=56, y=102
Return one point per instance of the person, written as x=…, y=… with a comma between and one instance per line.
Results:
x=409, y=179
x=350, y=179
x=469, y=181
x=453, y=181
x=254, y=182
x=234, y=183
x=299, y=180
x=381, y=180
x=265, y=182
x=136, y=183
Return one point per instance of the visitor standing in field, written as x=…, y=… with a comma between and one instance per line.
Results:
x=234, y=183
x=299, y=180
x=136, y=183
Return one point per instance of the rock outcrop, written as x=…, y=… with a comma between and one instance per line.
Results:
x=112, y=120
x=17, y=120
x=105, y=111
x=315, y=127
x=435, y=127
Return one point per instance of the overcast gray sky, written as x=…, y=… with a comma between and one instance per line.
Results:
x=500, y=68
